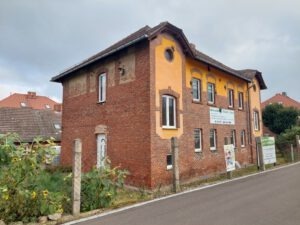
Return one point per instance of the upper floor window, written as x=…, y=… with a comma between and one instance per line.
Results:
x=168, y=111
x=47, y=106
x=23, y=104
x=241, y=100
x=211, y=93
x=213, y=139
x=256, y=120
x=198, y=140
x=230, y=98
x=102, y=88
x=196, y=85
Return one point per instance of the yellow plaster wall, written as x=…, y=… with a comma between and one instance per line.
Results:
x=255, y=105
x=168, y=75
x=222, y=81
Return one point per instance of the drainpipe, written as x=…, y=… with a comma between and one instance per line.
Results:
x=249, y=122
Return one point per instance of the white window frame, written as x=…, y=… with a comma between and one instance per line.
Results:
x=256, y=120
x=212, y=93
x=243, y=138
x=23, y=104
x=233, y=137
x=200, y=139
x=241, y=100
x=230, y=98
x=102, y=87
x=214, y=132
x=167, y=113
x=197, y=82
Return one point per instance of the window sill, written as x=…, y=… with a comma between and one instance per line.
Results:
x=101, y=103
x=211, y=104
x=196, y=101
x=169, y=167
x=169, y=128
x=198, y=151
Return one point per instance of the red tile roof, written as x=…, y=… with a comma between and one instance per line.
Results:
x=30, y=123
x=30, y=100
x=281, y=98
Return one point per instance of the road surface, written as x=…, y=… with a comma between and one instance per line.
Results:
x=264, y=199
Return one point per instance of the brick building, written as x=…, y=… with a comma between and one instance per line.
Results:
x=30, y=100
x=127, y=101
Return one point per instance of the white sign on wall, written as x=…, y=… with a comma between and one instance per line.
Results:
x=229, y=157
x=268, y=149
x=221, y=116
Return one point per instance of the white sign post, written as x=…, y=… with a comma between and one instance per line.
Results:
x=268, y=150
x=229, y=157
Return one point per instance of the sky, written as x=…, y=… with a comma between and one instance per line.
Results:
x=41, y=38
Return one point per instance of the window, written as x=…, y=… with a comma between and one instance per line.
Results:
x=241, y=100
x=102, y=88
x=198, y=140
x=196, y=89
x=230, y=98
x=169, y=162
x=243, y=138
x=47, y=106
x=169, y=55
x=233, y=138
x=168, y=111
x=256, y=120
x=23, y=104
x=211, y=93
x=213, y=139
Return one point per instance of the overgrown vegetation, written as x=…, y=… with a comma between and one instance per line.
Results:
x=28, y=190
x=279, y=118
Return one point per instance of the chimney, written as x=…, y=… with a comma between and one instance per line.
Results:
x=58, y=107
x=193, y=46
x=31, y=94
x=284, y=93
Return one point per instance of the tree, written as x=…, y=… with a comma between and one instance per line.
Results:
x=278, y=118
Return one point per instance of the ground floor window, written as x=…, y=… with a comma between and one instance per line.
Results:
x=169, y=162
x=243, y=138
x=198, y=140
x=213, y=139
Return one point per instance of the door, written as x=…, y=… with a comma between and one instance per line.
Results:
x=101, y=150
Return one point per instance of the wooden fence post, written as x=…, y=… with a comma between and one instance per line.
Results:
x=76, y=178
x=175, y=149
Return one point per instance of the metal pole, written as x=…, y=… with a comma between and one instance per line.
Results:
x=292, y=153
x=262, y=166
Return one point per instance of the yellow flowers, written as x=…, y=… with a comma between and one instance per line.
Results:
x=33, y=195
x=5, y=197
x=14, y=159
x=45, y=193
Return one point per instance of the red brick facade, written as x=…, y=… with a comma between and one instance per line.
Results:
x=129, y=117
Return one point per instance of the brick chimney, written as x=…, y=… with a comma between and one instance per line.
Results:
x=284, y=93
x=58, y=107
x=31, y=94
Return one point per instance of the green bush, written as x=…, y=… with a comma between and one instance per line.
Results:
x=99, y=187
x=22, y=193
x=288, y=137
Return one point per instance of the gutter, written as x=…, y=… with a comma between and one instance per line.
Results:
x=83, y=64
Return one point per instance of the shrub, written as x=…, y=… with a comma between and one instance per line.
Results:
x=22, y=195
x=288, y=137
x=99, y=187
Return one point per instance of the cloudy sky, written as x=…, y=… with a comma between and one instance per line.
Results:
x=41, y=38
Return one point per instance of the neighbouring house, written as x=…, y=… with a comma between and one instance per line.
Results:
x=30, y=100
x=282, y=99
x=30, y=123
x=127, y=101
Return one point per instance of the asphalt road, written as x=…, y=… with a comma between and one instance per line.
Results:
x=268, y=198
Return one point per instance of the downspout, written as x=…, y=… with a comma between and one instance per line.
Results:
x=249, y=123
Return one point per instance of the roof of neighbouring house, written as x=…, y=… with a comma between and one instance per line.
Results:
x=30, y=100
x=254, y=74
x=281, y=98
x=147, y=33
x=30, y=123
